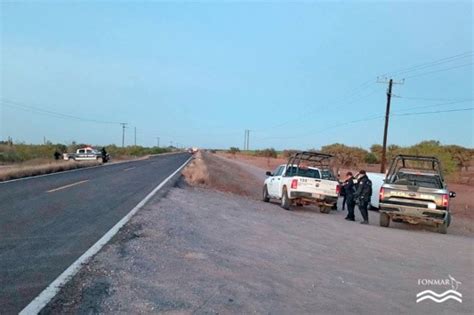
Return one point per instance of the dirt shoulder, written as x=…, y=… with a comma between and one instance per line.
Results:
x=202, y=249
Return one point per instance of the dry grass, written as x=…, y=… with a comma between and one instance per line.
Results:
x=30, y=169
x=196, y=173
x=216, y=173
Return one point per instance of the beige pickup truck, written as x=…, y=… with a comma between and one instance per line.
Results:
x=415, y=192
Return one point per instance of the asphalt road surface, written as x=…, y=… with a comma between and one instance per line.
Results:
x=46, y=223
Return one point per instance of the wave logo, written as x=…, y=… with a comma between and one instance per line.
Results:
x=451, y=294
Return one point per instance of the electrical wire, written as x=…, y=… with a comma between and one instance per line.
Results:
x=37, y=110
x=433, y=105
x=436, y=112
x=430, y=64
x=439, y=70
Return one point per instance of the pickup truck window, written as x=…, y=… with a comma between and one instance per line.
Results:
x=279, y=171
x=327, y=174
x=303, y=172
x=81, y=151
x=417, y=180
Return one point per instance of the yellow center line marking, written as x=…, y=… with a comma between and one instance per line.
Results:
x=130, y=168
x=67, y=186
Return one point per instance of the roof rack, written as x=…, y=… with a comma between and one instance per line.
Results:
x=322, y=160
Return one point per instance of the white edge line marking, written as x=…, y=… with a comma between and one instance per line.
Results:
x=84, y=168
x=67, y=186
x=35, y=306
x=130, y=168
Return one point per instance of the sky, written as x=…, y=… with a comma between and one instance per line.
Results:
x=296, y=74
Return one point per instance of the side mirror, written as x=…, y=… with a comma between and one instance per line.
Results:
x=268, y=173
x=452, y=194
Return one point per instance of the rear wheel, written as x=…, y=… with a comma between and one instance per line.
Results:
x=265, y=197
x=324, y=209
x=384, y=220
x=443, y=228
x=285, y=201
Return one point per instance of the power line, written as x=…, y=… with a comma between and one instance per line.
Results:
x=430, y=99
x=435, y=105
x=37, y=110
x=440, y=70
x=338, y=102
x=436, y=112
x=434, y=63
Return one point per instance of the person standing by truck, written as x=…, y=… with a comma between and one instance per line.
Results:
x=105, y=157
x=363, y=194
x=349, y=189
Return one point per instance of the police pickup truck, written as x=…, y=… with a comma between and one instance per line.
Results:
x=415, y=192
x=86, y=154
x=306, y=179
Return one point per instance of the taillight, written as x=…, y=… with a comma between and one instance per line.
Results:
x=338, y=189
x=381, y=193
x=294, y=184
x=445, y=200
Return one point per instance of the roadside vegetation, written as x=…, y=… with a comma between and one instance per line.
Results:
x=19, y=160
x=19, y=152
x=457, y=161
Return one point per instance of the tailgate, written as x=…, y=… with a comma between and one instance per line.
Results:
x=411, y=197
x=317, y=186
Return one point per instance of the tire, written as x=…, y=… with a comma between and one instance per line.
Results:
x=265, y=197
x=384, y=219
x=443, y=228
x=285, y=201
x=325, y=209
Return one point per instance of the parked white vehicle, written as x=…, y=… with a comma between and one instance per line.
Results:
x=377, y=180
x=85, y=154
x=306, y=179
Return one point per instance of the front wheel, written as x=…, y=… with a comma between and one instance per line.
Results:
x=265, y=196
x=285, y=201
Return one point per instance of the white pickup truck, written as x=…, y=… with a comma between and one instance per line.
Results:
x=306, y=179
x=86, y=154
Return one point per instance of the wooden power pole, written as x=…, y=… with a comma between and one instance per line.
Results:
x=387, y=118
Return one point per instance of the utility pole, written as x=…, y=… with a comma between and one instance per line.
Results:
x=246, y=139
x=123, y=133
x=135, y=136
x=387, y=117
x=158, y=142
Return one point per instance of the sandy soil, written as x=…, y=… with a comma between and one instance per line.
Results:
x=199, y=250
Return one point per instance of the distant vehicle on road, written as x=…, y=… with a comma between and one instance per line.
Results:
x=306, y=179
x=86, y=154
x=415, y=192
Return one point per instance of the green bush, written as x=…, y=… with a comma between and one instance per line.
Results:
x=234, y=150
x=268, y=153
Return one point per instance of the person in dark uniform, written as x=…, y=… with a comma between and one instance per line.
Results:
x=105, y=157
x=363, y=194
x=342, y=193
x=349, y=190
x=57, y=155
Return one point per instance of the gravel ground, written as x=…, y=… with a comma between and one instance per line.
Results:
x=198, y=250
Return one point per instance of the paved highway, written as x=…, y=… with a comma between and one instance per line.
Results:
x=46, y=223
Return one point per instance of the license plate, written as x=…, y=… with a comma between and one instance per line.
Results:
x=431, y=206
